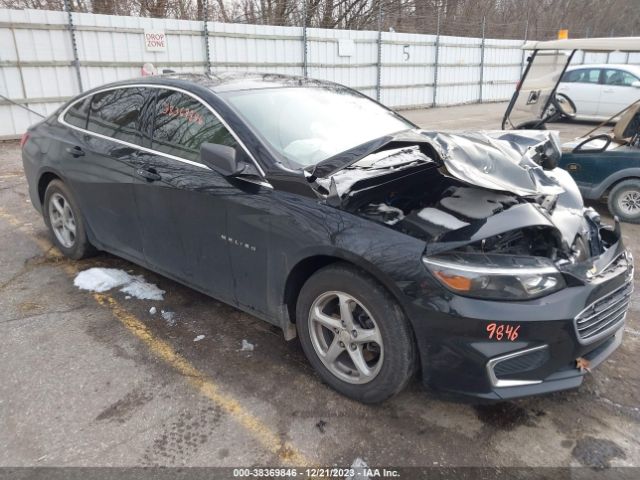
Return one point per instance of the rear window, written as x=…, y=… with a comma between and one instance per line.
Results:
x=183, y=123
x=77, y=113
x=619, y=78
x=116, y=113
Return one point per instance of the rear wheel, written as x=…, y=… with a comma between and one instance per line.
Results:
x=354, y=334
x=624, y=201
x=65, y=223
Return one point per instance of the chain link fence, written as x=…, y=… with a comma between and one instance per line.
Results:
x=421, y=61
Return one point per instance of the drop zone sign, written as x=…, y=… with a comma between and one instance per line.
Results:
x=155, y=41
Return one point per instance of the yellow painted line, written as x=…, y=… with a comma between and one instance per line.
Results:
x=197, y=379
x=43, y=244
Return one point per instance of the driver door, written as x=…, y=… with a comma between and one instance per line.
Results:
x=618, y=92
x=183, y=206
x=583, y=88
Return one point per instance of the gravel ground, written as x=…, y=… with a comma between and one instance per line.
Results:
x=97, y=380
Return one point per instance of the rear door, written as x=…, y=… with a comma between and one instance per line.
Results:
x=99, y=165
x=618, y=91
x=182, y=204
x=582, y=87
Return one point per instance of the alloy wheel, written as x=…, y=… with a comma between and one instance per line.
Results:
x=63, y=222
x=346, y=337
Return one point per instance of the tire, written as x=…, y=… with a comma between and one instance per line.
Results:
x=565, y=117
x=624, y=201
x=390, y=364
x=58, y=199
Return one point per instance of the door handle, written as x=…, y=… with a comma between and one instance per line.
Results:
x=149, y=173
x=75, y=151
x=608, y=90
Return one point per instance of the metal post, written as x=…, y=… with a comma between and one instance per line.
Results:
x=584, y=54
x=305, y=49
x=19, y=63
x=205, y=32
x=526, y=37
x=436, y=62
x=484, y=24
x=74, y=44
x=609, y=53
x=379, y=63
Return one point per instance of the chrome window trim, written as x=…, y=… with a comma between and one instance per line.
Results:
x=496, y=382
x=156, y=152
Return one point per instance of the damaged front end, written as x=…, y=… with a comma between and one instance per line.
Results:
x=522, y=286
x=499, y=220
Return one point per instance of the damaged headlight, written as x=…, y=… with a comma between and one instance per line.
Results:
x=495, y=276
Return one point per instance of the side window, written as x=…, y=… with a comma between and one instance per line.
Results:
x=571, y=76
x=115, y=113
x=586, y=75
x=182, y=124
x=78, y=113
x=619, y=78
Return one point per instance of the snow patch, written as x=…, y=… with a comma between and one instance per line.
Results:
x=169, y=317
x=246, y=346
x=438, y=217
x=359, y=467
x=142, y=290
x=102, y=279
x=198, y=338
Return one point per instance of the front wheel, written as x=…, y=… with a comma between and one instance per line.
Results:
x=624, y=201
x=354, y=334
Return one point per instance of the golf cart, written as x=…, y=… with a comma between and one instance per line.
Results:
x=602, y=164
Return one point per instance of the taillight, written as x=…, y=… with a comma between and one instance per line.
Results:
x=23, y=140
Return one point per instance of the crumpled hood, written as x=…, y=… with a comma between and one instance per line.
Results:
x=499, y=160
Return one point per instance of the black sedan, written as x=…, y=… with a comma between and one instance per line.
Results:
x=388, y=250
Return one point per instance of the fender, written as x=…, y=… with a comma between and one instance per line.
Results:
x=597, y=191
x=356, y=260
x=35, y=191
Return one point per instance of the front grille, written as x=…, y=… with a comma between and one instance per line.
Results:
x=522, y=363
x=604, y=314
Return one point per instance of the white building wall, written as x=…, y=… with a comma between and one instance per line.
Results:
x=36, y=56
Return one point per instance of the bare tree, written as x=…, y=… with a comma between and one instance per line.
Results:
x=504, y=18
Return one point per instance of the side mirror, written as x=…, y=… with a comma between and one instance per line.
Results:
x=636, y=84
x=222, y=159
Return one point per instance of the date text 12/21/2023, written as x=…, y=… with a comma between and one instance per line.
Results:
x=317, y=472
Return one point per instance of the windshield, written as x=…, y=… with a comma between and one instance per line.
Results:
x=308, y=125
x=540, y=81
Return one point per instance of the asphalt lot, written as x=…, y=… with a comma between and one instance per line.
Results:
x=96, y=380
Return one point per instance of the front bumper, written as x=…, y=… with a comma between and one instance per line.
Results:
x=457, y=355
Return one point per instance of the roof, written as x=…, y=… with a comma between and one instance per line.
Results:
x=621, y=44
x=234, y=81
x=620, y=66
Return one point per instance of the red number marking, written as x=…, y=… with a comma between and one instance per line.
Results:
x=506, y=331
x=491, y=328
